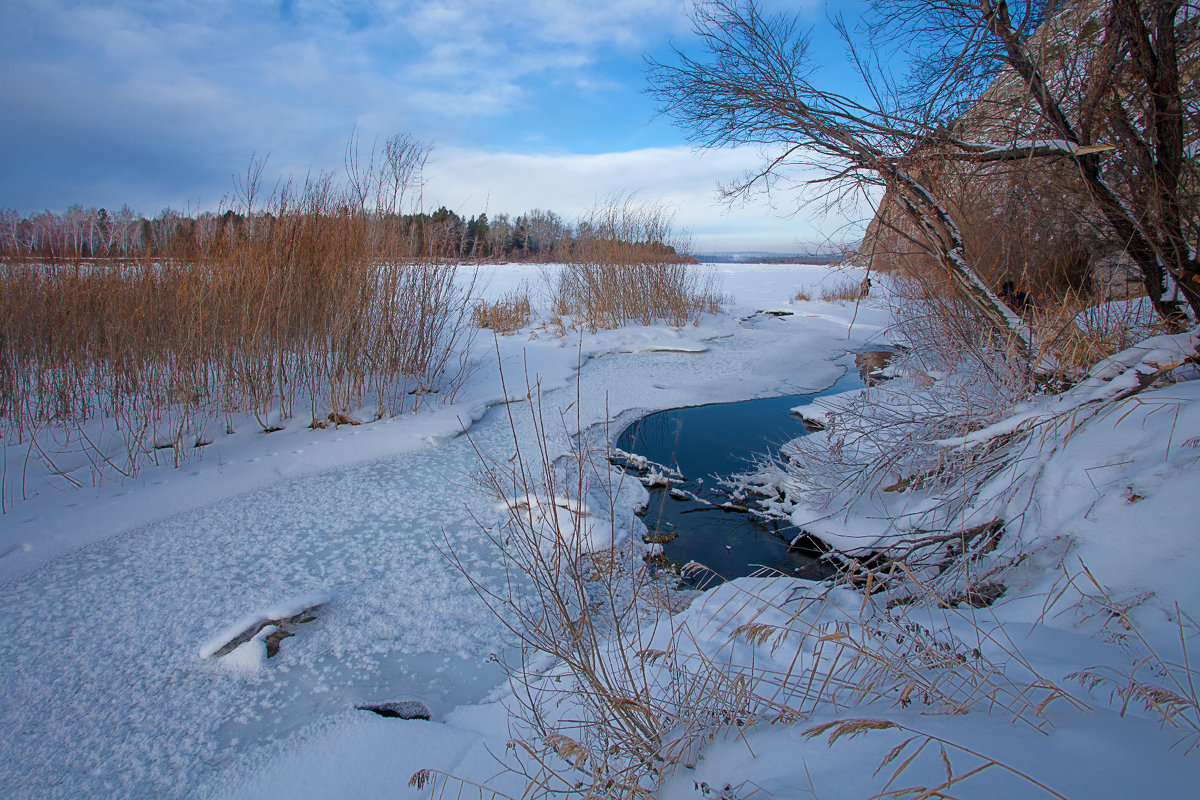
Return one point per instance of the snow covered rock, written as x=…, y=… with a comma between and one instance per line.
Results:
x=263, y=631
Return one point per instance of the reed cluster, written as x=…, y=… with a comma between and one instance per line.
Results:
x=625, y=268
x=844, y=289
x=506, y=314
x=310, y=301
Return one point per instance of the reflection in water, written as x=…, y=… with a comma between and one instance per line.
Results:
x=708, y=444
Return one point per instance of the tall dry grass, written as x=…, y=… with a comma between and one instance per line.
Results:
x=506, y=314
x=625, y=268
x=311, y=304
x=597, y=714
x=844, y=289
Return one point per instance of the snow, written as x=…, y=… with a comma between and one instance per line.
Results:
x=112, y=591
x=1060, y=145
x=117, y=595
x=250, y=656
x=1120, y=485
x=781, y=762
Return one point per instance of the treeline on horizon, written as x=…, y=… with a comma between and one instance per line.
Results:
x=320, y=300
x=443, y=235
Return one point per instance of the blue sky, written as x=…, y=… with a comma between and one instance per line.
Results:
x=534, y=104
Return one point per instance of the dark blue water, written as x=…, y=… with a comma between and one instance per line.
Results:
x=710, y=443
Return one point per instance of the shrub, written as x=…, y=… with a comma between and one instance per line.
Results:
x=508, y=314
x=626, y=269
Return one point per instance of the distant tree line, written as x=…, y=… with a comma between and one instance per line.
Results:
x=83, y=233
x=376, y=202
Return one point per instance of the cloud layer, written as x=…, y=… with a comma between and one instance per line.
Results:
x=679, y=178
x=533, y=104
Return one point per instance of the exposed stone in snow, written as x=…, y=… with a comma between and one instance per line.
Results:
x=398, y=709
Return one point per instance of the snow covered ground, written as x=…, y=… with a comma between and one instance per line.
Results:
x=118, y=597
x=113, y=593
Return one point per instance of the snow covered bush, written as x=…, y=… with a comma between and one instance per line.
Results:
x=939, y=474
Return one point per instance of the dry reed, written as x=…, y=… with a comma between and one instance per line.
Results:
x=625, y=268
x=505, y=315
x=582, y=611
x=844, y=289
x=310, y=301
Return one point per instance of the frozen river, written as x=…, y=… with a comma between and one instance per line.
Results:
x=102, y=690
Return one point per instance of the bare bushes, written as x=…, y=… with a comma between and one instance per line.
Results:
x=625, y=268
x=1064, y=331
x=882, y=487
x=507, y=314
x=944, y=333
x=245, y=321
x=1021, y=226
x=598, y=710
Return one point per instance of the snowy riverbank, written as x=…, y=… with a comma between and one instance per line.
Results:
x=110, y=591
x=1075, y=681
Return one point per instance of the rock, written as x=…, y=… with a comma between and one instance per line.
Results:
x=281, y=624
x=274, y=638
x=398, y=709
x=811, y=425
x=871, y=364
x=980, y=595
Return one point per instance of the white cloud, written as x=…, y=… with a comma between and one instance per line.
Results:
x=157, y=103
x=472, y=180
x=264, y=72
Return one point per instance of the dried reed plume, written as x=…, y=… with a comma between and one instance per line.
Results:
x=309, y=300
x=625, y=268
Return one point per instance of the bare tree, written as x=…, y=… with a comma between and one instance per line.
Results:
x=360, y=177
x=247, y=188
x=1094, y=73
x=9, y=222
x=123, y=234
x=401, y=172
x=754, y=86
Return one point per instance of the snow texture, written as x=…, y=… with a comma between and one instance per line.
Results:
x=115, y=593
x=112, y=592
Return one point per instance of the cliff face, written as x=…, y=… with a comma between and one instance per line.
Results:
x=1031, y=222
